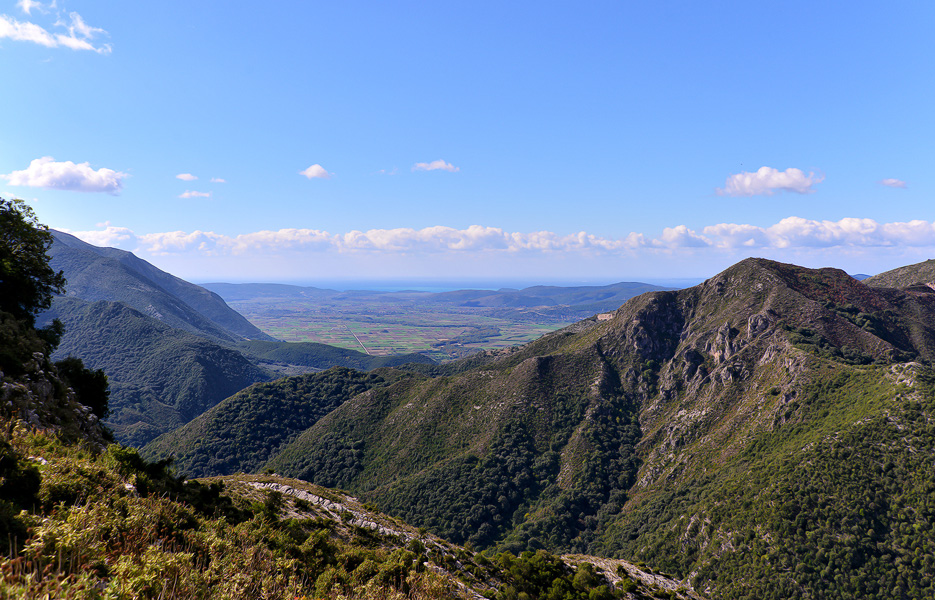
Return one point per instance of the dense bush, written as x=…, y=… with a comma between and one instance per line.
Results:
x=242, y=433
x=848, y=514
x=111, y=525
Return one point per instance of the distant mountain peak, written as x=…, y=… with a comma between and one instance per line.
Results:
x=101, y=273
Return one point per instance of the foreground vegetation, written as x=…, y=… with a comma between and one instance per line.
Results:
x=767, y=434
x=78, y=522
x=82, y=519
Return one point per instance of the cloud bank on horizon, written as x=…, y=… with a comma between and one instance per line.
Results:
x=789, y=233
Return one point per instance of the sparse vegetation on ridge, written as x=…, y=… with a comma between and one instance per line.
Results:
x=693, y=412
x=84, y=522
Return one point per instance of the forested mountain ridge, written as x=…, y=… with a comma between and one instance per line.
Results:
x=922, y=273
x=642, y=435
x=240, y=434
x=160, y=377
x=100, y=273
x=82, y=520
x=171, y=349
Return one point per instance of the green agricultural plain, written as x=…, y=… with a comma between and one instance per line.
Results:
x=442, y=332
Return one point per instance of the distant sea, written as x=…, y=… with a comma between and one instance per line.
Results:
x=436, y=285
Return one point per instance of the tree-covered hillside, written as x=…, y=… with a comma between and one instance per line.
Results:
x=244, y=431
x=90, y=524
x=764, y=432
x=160, y=377
x=170, y=349
x=84, y=522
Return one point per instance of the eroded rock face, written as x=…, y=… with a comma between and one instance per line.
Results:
x=756, y=325
x=40, y=399
x=667, y=391
x=703, y=362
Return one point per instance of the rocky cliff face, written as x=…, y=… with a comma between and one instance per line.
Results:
x=705, y=368
x=712, y=365
x=697, y=430
x=31, y=391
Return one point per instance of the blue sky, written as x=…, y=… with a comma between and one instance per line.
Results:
x=540, y=141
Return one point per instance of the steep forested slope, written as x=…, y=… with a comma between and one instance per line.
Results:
x=244, y=431
x=95, y=273
x=78, y=520
x=764, y=432
x=160, y=377
x=171, y=349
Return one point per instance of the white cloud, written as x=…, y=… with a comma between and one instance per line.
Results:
x=896, y=183
x=218, y=180
x=46, y=173
x=436, y=165
x=109, y=236
x=731, y=235
x=80, y=35
x=795, y=235
x=191, y=194
x=186, y=177
x=796, y=232
x=316, y=171
x=283, y=239
x=680, y=236
x=179, y=241
x=27, y=5
x=82, y=29
x=766, y=181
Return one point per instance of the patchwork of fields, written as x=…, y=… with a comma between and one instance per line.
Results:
x=441, y=325
x=441, y=332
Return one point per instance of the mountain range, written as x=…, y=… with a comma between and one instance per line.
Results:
x=86, y=518
x=584, y=300
x=170, y=349
x=763, y=434
x=99, y=273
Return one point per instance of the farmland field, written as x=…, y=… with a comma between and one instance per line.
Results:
x=443, y=325
x=442, y=333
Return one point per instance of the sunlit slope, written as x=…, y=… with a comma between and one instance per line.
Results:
x=633, y=435
x=100, y=273
x=243, y=432
x=160, y=377
x=922, y=273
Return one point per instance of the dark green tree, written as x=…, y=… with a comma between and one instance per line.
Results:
x=27, y=282
x=90, y=386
